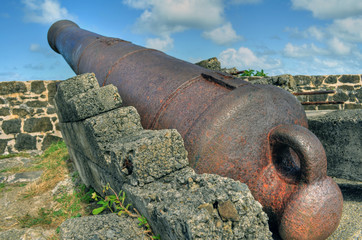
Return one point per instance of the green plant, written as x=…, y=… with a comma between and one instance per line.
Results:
x=251, y=72
x=117, y=201
x=42, y=218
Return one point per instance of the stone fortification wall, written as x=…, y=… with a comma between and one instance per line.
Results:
x=348, y=89
x=109, y=145
x=28, y=120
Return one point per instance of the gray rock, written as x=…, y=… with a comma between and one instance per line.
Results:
x=211, y=63
x=48, y=140
x=341, y=135
x=11, y=126
x=91, y=103
x=102, y=227
x=38, y=125
x=37, y=104
x=37, y=87
x=24, y=177
x=186, y=205
x=12, y=87
x=3, y=144
x=25, y=142
x=350, y=79
x=20, y=112
x=4, y=111
x=332, y=79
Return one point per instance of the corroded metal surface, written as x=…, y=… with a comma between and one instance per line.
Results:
x=253, y=133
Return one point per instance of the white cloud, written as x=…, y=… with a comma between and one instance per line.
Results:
x=305, y=50
x=163, y=17
x=330, y=8
x=338, y=47
x=34, y=47
x=222, y=35
x=44, y=11
x=349, y=29
x=244, y=58
x=162, y=44
x=245, y=1
x=316, y=33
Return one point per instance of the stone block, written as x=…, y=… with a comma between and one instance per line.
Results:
x=359, y=95
x=12, y=87
x=51, y=110
x=76, y=85
x=11, y=126
x=329, y=107
x=352, y=106
x=4, y=111
x=52, y=89
x=341, y=135
x=332, y=79
x=340, y=96
x=37, y=104
x=191, y=206
x=148, y=155
x=318, y=81
x=345, y=88
x=38, y=125
x=108, y=226
x=91, y=103
x=302, y=80
x=3, y=144
x=37, y=87
x=48, y=140
x=350, y=79
x=20, y=112
x=25, y=142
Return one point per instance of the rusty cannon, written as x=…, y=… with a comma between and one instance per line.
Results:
x=253, y=133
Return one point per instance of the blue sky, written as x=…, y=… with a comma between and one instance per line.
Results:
x=311, y=37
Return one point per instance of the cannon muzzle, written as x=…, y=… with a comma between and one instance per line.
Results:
x=253, y=133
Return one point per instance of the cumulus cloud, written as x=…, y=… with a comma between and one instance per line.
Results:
x=349, y=29
x=36, y=48
x=163, y=17
x=244, y=58
x=44, y=11
x=305, y=50
x=330, y=8
x=222, y=35
x=162, y=44
x=338, y=47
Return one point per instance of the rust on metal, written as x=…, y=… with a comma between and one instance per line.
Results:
x=256, y=134
x=313, y=92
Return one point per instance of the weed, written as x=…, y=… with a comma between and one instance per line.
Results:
x=117, y=201
x=42, y=218
x=11, y=155
x=251, y=72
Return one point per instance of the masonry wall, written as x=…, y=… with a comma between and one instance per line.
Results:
x=28, y=120
x=348, y=89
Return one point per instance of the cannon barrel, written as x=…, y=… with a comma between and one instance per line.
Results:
x=253, y=133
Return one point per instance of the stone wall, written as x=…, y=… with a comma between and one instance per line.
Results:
x=28, y=120
x=348, y=88
x=109, y=145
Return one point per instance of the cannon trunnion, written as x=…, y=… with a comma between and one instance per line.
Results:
x=253, y=133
